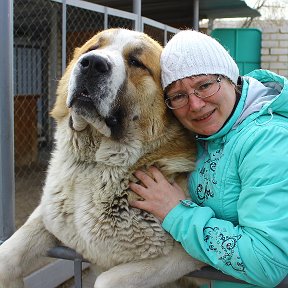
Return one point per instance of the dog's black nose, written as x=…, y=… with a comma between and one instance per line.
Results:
x=94, y=64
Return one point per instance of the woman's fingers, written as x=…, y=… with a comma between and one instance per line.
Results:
x=144, y=178
x=157, y=175
x=139, y=189
x=143, y=205
x=159, y=196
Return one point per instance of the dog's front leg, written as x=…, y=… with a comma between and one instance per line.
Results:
x=22, y=249
x=149, y=273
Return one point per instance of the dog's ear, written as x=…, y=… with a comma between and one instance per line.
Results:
x=76, y=53
x=60, y=109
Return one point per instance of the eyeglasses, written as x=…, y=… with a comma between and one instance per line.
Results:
x=206, y=89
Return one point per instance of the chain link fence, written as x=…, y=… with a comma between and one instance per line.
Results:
x=36, y=70
x=45, y=35
x=46, y=32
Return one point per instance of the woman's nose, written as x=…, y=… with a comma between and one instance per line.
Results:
x=195, y=103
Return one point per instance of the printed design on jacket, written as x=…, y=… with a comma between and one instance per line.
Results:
x=207, y=177
x=225, y=247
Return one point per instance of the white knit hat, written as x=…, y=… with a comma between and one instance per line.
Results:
x=191, y=53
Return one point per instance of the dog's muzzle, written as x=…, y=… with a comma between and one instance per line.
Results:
x=95, y=84
x=88, y=82
x=94, y=65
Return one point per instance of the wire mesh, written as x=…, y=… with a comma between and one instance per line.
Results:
x=81, y=25
x=155, y=33
x=116, y=21
x=37, y=27
x=37, y=69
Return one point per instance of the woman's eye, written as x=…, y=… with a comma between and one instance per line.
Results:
x=177, y=97
x=205, y=86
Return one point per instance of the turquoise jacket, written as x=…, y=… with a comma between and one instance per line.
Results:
x=238, y=220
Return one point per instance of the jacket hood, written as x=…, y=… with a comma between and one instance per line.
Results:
x=267, y=92
x=263, y=92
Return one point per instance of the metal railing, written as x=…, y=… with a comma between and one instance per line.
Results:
x=207, y=272
x=7, y=198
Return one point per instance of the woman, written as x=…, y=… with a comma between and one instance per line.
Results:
x=237, y=217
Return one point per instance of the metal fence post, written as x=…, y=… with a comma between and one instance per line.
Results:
x=7, y=188
x=137, y=10
x=196, y=15
x=64, y=32
x=69, y=254
x=78, y=272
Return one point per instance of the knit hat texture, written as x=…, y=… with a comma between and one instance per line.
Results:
x=191, y=53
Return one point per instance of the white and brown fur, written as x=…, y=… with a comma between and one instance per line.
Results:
x=111, y=120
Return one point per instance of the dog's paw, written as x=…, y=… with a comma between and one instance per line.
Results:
x=8, y=274
x=102, y=282
x=106, y=280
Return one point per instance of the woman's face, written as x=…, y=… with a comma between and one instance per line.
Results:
x=203, y=116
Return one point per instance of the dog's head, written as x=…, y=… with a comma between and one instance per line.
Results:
x=113, y=84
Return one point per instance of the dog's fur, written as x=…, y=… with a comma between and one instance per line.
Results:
x=111, y=120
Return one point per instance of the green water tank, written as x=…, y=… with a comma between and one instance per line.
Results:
x=243, y=44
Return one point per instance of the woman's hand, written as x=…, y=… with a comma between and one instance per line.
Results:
x=159, y=195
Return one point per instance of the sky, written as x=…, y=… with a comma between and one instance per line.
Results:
x=252, y=2
x=266, y=12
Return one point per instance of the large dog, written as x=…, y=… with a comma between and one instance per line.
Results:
x=111, y=120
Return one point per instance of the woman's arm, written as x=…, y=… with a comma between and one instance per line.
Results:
x=256, y=250
x=159, y=195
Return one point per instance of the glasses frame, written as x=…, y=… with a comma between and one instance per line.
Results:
x=195, y=92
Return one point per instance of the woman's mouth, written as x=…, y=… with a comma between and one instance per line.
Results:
x=205, y=116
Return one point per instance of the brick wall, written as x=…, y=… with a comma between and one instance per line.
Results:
x=274, y=52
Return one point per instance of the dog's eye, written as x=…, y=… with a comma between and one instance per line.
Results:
x=136, y=63
x=94, y=47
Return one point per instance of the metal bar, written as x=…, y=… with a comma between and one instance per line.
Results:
x=83, y=4
x=159, y=25
x=99, y=8
x=211, y=273
x=63, y=252
x=137, y=10
x=64, y=32
x=207, y=272
x=115, y=12
x=196, y=15
x=67, y=253
x=78, y=273
x=7, y=186
x=106, y=18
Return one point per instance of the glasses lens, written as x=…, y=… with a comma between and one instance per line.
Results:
x=208, y=88
x=177, y=101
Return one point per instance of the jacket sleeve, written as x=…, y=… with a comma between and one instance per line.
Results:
x=256, y=250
